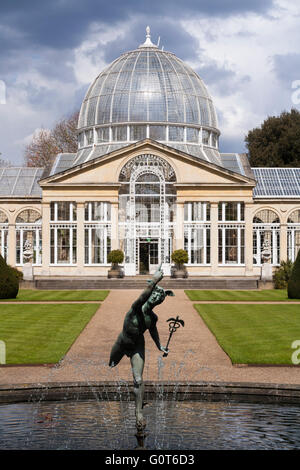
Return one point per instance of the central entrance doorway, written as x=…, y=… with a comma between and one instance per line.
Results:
x=148, y=255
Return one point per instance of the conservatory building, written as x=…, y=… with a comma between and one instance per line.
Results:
x=148, y=178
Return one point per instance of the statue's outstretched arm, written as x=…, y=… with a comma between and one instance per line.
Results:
x=157, y=276
x=155, y=336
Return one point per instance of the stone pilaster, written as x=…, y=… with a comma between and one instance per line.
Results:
x=46, y=238
x=214, y=238
x=80, y=237
x=114, y=225
x=248, y=240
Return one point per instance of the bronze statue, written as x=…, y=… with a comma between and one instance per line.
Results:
x=131, y=342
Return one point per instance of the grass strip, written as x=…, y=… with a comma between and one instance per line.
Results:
x=254, y=334
x=41, y=334
x=35, y=295
x=268, y=295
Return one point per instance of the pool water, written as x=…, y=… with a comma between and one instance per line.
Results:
x=171, y=425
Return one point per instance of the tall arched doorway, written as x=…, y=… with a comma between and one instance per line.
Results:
x=147, y=201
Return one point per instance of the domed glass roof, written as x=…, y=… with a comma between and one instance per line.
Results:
x=148, y=85
x=148, y=93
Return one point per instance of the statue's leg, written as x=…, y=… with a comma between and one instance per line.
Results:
x=137, y=365
x=116, y=354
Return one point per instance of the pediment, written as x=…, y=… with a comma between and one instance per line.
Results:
x=105, y=170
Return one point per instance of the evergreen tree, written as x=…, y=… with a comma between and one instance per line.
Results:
x=9, y=282
x=294, y=281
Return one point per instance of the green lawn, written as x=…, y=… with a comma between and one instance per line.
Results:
x=238, y=295
x=254, y=334
x=41, y=333
x=32, y=295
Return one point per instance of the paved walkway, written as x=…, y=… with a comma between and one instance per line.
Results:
x=195, y=354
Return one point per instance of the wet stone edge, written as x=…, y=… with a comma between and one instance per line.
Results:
x=176, y=391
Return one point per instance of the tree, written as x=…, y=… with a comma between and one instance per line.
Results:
x=294, y=281
x=9, y=282
x=277, y=142
x=46, y=144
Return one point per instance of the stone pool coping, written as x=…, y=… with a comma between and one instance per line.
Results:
x=180, y=391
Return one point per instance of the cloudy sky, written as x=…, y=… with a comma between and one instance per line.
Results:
x=247, y=52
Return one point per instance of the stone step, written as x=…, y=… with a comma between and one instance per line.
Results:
x=167, y=283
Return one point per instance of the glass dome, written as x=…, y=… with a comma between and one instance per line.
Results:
x=148, y=93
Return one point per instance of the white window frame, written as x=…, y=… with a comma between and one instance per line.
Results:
x=64, y=226
x=292, y=229
x=106, y=233
x=37, y=228
x=4, y=241
x=227, y=226
x=188, y=228
x=258, y=229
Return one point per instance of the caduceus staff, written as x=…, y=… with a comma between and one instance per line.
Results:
x=174, y=324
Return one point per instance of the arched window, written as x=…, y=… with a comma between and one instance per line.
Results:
x=293, y=234
x=29, y=229
x=146, y=212
x=3, y=234
x=266, y=230
x=28, y=216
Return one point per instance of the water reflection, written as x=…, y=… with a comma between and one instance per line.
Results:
x=170, y=425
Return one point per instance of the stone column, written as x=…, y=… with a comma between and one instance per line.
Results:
x=179, y=227
x=283, y=243
x=80, y=237
x=11, y=245
x=46, y=239
x=214, y=243
x=114, y=225
x=248, y=240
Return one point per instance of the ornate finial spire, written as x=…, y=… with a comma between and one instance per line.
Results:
x=148, y=42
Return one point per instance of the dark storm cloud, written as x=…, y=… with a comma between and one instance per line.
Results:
x=172, y=37
x=64, y=23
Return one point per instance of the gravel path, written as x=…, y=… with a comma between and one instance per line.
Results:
x=195, y=354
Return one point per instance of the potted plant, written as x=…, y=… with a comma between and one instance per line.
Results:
x=179, y=257
x=115, y=257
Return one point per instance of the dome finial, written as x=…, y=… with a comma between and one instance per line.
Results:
x=148, y=42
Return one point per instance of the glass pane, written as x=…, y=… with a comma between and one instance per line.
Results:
x=28, y=216
x=157, y=132
x=103, y=134
x=205, y=137
x=192, y=135
x=119, y=133
x=138, y=132
x=176, y=133
x=63, y=245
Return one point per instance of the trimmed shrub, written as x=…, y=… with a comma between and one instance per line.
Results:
x=9, y=282
x=294, y=282
x=18, y=273
x=179, y=257
x=115, y=257
x=282, y=274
